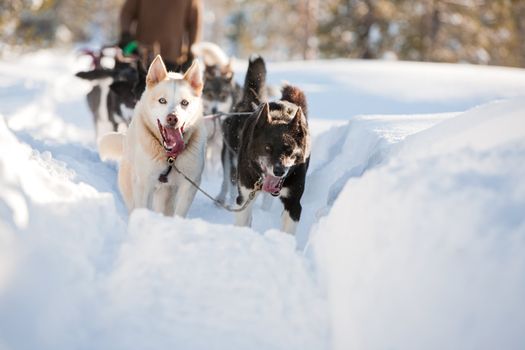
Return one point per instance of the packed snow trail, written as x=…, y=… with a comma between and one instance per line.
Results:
x=77, y=272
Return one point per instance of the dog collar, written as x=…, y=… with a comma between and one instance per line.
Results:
x=171, y=154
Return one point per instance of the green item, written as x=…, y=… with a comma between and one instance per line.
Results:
x=130, y=48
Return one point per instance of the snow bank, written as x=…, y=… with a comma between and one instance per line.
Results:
x=187, y=284
x=72, y=276
x=339, y=89
x=427, y=251
x=423, y=248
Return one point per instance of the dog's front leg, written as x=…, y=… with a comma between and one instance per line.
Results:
x=226, y=171
x=163, y=200
x=244, y=218
x=184, y=198
x=291, y=214
x=142, y=194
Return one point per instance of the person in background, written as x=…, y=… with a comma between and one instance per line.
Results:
x=165, y=27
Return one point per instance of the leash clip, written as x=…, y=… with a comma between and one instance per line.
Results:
x=257, y=187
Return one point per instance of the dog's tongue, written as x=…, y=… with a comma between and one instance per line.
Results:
x=271, y=184
x=173, y=140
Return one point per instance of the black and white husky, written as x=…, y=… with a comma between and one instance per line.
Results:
x=275, y=151
x=111, y=109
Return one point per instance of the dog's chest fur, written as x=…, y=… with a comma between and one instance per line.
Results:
x=144, y=148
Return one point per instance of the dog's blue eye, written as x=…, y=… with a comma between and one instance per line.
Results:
x=162, y=100
x=184, y=103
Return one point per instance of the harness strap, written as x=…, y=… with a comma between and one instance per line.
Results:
x=163, y=177
x=222, y=114
x=251, y=195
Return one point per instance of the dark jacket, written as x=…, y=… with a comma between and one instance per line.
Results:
x=174, y=25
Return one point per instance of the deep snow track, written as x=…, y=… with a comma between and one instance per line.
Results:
x=77, y=272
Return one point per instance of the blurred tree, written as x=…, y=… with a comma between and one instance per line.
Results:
x=278, y=29
x=355, y=28
x=30, y=24
x=475, y=31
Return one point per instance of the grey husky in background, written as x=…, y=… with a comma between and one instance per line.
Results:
x=220, y=94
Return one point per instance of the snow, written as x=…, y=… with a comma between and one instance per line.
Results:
x=339, y=89
x=412, y=233
x=427, y=249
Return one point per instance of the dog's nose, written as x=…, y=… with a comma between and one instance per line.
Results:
x=172, y=119
x=278, y=170
x=214, y=110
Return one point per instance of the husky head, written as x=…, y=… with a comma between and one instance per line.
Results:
x=280, y=141
x=219, y=89
x=172, y=102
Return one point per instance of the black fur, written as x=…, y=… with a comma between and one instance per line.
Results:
x=253, y=94
x=128, y=83
x=277, y=132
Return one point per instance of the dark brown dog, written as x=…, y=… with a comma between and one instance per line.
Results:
x=275, y=150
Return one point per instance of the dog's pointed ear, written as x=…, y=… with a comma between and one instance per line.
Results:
x=194, y=76
x=227, y=70
x=209, y=72
x=264, y=115
x=298, y=123
x=298, y=117
x=157, y=72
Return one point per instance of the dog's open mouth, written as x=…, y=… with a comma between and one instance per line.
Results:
x=171, y=139
x=272, y=184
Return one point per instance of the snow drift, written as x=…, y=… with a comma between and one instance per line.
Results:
x=427, y=250
x=74, y=278
x=413, y=223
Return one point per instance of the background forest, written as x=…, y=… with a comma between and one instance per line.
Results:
x=473, y=31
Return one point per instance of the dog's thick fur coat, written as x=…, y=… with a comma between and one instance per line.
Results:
x=174, y=101
x=275, y=148
x=253, y=94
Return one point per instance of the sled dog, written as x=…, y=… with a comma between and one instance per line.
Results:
x=220, y=94
x=111, y=110
x=253, y=94
x=167, y=123
x=274, y=152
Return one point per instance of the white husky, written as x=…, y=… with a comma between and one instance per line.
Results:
x=167, y=122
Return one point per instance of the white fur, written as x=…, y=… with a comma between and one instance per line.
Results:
x=102, y=124
x=143, y=159
x=110, y=146
x=244, y=218
x=211, y=53
x=227, y=185
x=288, y=224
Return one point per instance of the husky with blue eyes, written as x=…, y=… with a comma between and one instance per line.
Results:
x=167, y=124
